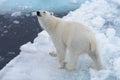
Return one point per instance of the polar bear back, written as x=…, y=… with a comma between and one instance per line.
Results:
x=74, y=35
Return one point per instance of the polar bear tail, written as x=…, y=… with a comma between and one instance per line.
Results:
x=93, y=44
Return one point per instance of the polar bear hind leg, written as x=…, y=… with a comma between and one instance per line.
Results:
x=94, y=54
x=97, y=63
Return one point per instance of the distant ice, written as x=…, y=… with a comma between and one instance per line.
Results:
x=15, y=14
x=33, y=13
x=74, y=1
x=5, y=31
x=2, y=1
x=16, y=22
x=1, y=58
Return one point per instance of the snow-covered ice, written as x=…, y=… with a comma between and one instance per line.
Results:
x=16, y=22
x=116, y=65
x=116, y=1
x=35, y=63
x=16, y=14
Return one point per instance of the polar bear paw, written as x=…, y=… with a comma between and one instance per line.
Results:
x=62, y=65
x=53, y=54
x=70, y=68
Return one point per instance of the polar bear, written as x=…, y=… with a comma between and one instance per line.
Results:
x=72, y=36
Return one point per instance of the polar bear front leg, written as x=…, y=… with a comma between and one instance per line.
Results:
x=61, y=52
x=73, y=61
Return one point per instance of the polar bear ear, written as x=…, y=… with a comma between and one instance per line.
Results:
x=51, y=13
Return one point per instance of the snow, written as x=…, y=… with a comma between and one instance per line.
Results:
x=35, y=63
x=23, y=7
x=5, y=26
x=116, y=1
x=116, y=65
x=110, y=32
x=1, y=35
x=11, y=53
x=33, y=13
x=96, y=20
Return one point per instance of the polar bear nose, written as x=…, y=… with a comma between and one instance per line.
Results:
x=38, y=13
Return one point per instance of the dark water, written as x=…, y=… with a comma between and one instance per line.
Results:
x=16, y=31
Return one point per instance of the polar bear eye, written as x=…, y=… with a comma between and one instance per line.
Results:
x=44, y=12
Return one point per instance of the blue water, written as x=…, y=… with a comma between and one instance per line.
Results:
x=13, y=35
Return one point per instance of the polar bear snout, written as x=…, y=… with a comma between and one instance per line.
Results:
x=38, y=13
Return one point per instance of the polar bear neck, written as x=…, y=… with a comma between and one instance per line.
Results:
x=49, y=24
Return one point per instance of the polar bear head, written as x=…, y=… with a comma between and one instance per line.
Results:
x=44, y=14
x=46, y=19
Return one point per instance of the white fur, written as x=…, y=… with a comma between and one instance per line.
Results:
x=74, y=37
